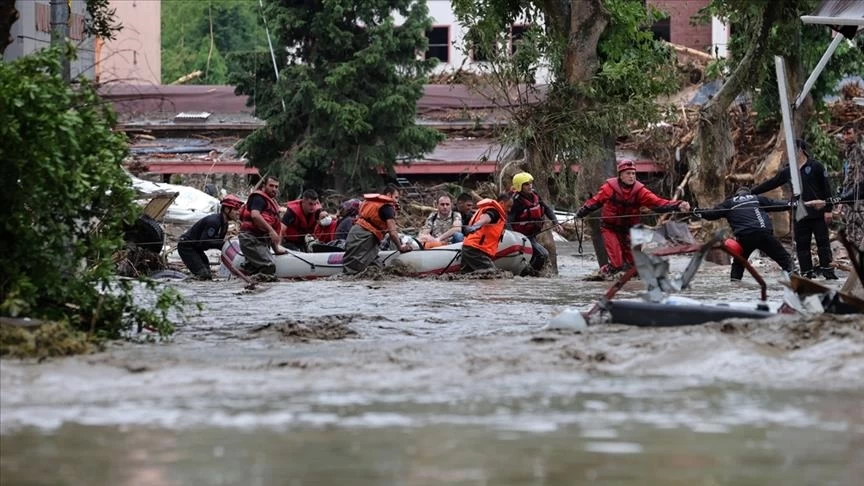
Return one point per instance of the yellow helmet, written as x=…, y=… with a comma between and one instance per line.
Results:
x=520, y=179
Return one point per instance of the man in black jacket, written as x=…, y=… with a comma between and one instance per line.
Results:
x=207, y=234
x=747, y=215
x=814, y=186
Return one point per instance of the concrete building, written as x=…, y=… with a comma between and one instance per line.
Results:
x=32, y=32
x=135, y=56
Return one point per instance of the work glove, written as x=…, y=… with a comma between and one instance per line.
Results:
x=582, y=212
x=472, y=228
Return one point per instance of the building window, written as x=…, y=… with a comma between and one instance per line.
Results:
x=662, y=30
x=43, y=17
x=439, y=43
x=517, y=32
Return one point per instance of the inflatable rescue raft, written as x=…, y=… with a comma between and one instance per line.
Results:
x=514, y=255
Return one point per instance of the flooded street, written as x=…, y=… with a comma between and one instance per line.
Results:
x=436, y=381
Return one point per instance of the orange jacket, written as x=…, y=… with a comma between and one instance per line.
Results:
x=486, y=238
x=270, y=215
x=368, y=217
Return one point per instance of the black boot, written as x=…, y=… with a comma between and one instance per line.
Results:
x=828, y=273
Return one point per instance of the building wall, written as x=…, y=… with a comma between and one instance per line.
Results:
x=32, y=32
x=442, y=15
x=135, y=56
x=682, y=32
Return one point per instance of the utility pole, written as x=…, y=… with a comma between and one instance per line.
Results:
x=60, y=32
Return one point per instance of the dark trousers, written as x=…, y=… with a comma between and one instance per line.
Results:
x=195, y=260
x=540, y=254
x=766, y=243
x=474, y=260
x=804, y=231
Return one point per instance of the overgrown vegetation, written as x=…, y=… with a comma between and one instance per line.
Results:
x=209, y=36
x=343, y=111
x=66, y=202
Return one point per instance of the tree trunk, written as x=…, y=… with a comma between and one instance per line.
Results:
x=712, y=148
x=588, y=21
x=582, y=23
x=538, y=161
x=591, y=177
x=8, y=16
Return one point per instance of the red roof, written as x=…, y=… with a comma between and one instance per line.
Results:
x=479, y=156
x=177, y=166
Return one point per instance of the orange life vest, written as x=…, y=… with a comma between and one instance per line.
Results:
x=270, y=215
x=368, y=217
x=532, y=212
x=303, y=225
x=486, y=238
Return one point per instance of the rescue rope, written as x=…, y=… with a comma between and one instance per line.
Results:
x=579, y=233
x=584, y=218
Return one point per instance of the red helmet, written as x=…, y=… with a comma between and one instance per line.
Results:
x=733, y=246
x=231, y=201
x=626, y=165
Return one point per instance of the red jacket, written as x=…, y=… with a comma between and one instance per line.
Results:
x=270, y=215
x=618, y=200
x=303, y=225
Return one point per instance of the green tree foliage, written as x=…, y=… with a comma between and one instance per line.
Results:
x=802, y=45
x=187, y=43
x=66, y=201
x=597, y=93
x=350, y=81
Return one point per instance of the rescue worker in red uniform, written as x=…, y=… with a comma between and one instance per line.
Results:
x=484, y=233
x=526, y=216
x=260, y=229
x=621, y=199
x=300, y=219
x=376, y=218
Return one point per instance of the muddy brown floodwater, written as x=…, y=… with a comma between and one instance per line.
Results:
x=424, y=381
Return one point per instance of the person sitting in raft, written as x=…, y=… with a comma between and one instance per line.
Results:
x=442, y=227
x=207, y=234
x=484, y=233
x=376, y=218
x=324, y=228
x=465, y=207
x=526, y=216
x=621, y=198
x=345, y=218
x=299, y=220
x=747, y=215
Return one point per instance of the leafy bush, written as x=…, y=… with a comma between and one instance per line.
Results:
x=66, y=201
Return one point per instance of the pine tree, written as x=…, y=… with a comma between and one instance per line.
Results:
x=350, y=81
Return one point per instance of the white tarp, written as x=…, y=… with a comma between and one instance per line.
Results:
x=190, y=205
x=845, y=16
